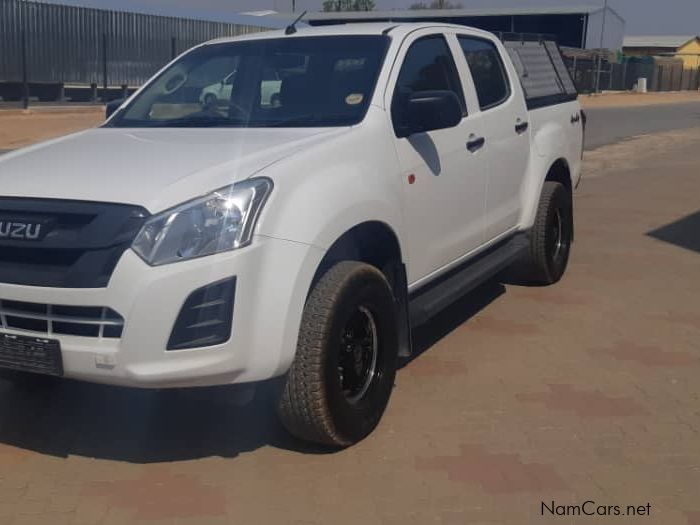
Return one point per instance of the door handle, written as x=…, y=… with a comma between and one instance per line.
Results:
x=575, y=118
x=475, y=144
x=521, y=127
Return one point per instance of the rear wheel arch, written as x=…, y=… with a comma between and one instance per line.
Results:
x=560, y=172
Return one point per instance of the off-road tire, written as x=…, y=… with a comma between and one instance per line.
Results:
x=313, y=406
x=542, y=264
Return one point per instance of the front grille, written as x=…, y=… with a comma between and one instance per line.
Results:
x=79, y=246
x=53, y=319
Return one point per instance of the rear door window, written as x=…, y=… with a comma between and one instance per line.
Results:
x=488, y=71
x=543, y=74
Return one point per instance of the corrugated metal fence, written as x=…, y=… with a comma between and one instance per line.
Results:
x=77, y=45
x=661, y=73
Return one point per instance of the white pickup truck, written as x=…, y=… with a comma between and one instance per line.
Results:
x=185, y=244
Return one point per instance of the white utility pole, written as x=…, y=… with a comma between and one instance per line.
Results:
x=600, y=48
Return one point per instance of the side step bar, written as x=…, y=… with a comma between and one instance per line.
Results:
x=448, y=288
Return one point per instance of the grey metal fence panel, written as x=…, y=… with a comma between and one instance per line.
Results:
x=10, y=40
x=67, y=44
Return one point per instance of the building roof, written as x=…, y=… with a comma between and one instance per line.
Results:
x=452, y=13
x=671, y=42
x=186, y=10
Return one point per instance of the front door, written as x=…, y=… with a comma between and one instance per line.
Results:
x=444, y=181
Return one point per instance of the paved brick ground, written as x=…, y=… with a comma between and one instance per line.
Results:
x=584, y=391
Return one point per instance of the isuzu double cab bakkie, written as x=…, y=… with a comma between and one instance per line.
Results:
x=301, y=234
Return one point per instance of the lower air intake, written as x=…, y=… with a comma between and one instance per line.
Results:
x=206, y=317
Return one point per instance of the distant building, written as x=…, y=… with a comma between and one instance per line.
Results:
x=572, y=26
x=686, y=48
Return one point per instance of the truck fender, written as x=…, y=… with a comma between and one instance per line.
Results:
x=548, y=144
x=317, y=206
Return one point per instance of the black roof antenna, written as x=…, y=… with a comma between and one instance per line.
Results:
x=291, y=28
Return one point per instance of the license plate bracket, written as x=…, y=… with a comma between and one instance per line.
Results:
x=31, y=354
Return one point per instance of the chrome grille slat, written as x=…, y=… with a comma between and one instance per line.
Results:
x=14, y=317
x=60, y=318
x=103, y=314
x=50, y=320
x=2, y=317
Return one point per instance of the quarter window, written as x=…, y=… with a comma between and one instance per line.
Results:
x=428, y=66
x=487, y=70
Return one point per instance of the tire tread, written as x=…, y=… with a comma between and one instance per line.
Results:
x=303, y=408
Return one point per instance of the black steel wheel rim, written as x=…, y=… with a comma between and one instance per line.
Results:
x=357, y=368
x=556, y=241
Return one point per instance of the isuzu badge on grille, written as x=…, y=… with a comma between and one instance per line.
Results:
x=20, y=230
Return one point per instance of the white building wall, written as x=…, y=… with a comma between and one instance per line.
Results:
x=614, y=30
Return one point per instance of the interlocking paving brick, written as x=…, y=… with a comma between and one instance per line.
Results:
x=583, y=402
x=160, y=494
x=496, y=473
x=648, y=355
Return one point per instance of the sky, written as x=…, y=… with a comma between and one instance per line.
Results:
x=643, y=17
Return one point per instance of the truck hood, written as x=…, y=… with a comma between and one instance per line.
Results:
x=153, y=168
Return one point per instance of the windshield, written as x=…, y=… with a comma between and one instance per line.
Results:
x=282, y=82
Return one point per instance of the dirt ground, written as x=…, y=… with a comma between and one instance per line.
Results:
x=609, y=100
x=520, y=399
x=20, y=128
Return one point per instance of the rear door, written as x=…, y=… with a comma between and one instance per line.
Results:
x=444, y=182
x=505, y=128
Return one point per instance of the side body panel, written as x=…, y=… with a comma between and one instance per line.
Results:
x=556, y=134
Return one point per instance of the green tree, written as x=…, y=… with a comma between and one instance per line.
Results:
x=348, y=5
x=436, y=4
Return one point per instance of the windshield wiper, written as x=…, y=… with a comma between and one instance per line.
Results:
x=287, y=121
x=193, y=121
x=312, y=119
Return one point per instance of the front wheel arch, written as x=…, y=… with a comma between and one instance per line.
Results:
x=374, y=243
x=371, y=242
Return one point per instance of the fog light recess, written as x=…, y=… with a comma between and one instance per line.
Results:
x=206, y=317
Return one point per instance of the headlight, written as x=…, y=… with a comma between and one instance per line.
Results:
x=221, y=221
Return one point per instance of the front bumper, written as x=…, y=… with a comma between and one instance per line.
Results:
x=272, y=280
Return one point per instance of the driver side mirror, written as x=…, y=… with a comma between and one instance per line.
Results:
x=430, y=110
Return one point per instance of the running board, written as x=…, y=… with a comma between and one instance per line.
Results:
x=448, y=288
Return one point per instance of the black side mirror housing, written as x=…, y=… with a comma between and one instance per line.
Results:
x=113, y=106
x=431, y=110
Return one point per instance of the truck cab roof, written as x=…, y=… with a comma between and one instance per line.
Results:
x=398, y=29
